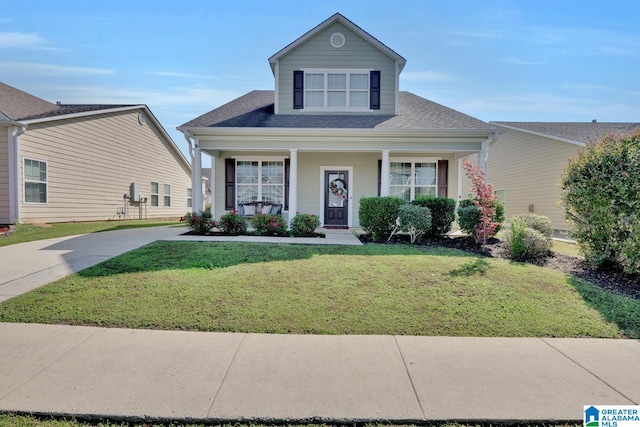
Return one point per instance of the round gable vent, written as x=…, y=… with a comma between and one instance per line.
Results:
x=337, y=40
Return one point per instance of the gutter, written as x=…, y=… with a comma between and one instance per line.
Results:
x=14, y=170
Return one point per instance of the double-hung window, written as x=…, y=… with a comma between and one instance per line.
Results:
x=35, y=181
x=167, y=195
x=260, y=180
x=413, y=179
x=189, y=197
x=336, y=90
x=154, y=193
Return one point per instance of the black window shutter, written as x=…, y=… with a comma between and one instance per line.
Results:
x=229, y=184
x=287, y=170
x=443, y=173
x=374, y=90
x=379, y=177
x=298, y=89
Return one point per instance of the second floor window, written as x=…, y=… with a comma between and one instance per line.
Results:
x=336, y=90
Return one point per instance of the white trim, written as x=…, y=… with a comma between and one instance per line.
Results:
x=276, y=104
x=413, y=161
x=260, y=160
x=349, y=169
x=347, y=90
x=337, y=17
x=545, y=135
x=24, y=181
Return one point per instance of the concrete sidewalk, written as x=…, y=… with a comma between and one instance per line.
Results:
x=26, y=266
x=218, y=377
x=215, y=377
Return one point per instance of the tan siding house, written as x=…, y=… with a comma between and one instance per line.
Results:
x=78, y=163
x=525, y=164
x=336, y=128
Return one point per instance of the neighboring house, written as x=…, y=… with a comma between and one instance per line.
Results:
x=206, y=177
x=62, y=163
x=335, y=129
x=525, y=164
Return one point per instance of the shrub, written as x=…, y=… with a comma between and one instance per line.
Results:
x=443, y=213
x=469, y=215
x=540, y=223
x=199, y=223
x=269, y=225
x=232, y=223
x=600, y=188
x=528, y=236
x=378, y=215
x=414, y=220
x=304, y=225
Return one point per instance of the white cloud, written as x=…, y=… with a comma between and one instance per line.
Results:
x=426, y=76
x=177, y=96
x=17, y=40
x=49, y=69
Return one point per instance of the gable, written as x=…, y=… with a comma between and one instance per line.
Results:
x=317, y=53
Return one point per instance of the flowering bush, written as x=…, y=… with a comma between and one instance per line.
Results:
x=269, y=225
x=199, y=223
x=304, y=225
x=232, y=223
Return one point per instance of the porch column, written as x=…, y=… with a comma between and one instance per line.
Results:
x=196, y=185
x=293, y=184
x=385, y=174
x=15, y=185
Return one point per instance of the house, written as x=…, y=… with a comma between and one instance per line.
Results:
x=525, y=164
x=62, y=163
x=335, y=128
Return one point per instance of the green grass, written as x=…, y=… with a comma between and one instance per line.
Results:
x=565, y=248
x=9, y=420
x=370, y=289
x=32, y=232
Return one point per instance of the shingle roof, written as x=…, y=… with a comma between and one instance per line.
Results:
x=18, y=105
x=255, y=110
x=584, y=132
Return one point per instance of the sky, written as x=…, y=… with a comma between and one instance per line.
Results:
x=496, y=60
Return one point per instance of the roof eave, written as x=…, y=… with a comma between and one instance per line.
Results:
x=337, y=17
x=544, y=135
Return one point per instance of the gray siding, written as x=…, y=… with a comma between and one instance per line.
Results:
x=318, y=53
x=91, y=162
x=363, y=181
x=4, y=176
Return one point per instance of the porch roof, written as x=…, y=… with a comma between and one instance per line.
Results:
x=255, y=110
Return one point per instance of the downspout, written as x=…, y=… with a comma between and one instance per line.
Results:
x=14, y=171
x=197, y=204
x=483, y=159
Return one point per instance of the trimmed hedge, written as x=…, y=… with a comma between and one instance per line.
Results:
x=443, y=213
x=378, y=215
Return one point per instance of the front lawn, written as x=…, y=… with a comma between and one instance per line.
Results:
x=370, y=289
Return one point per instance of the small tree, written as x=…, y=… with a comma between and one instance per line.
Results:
x=485, y=201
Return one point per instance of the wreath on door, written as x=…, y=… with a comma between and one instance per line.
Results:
x=339, y=188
